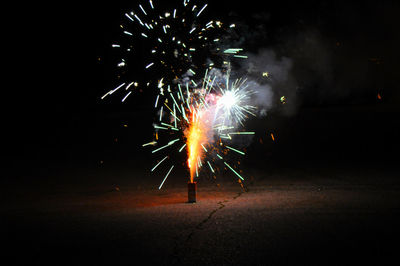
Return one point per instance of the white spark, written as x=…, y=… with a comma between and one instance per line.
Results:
x=126, y=96
x=143, y=9
x=198, y=14
x=166, y=177
x=149, y=65
x=127, y=15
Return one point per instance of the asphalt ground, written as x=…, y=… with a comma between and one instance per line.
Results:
x=304, y=214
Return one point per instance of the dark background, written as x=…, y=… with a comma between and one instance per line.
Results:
x=343, y=55
x=326, y=189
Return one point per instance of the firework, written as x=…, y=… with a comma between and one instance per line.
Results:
x=205, y=121
x=199, y=109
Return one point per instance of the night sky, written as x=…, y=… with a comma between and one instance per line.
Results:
x=343, y=55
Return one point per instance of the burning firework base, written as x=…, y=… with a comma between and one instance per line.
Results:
x=192, y=191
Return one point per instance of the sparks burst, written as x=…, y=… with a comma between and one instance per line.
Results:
x=203, y=120
x=172, y=43
x=198, y=115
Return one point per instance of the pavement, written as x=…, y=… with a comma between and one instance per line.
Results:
x=286, y=216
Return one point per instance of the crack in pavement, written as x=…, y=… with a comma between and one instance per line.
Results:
x=175, y=254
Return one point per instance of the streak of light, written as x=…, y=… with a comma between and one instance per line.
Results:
x=155, y=105
x=126, y=96
x=234, y=171
x=112, y=91
x=165, y=146
x=240, y=56
x=184, y=145
x=198, y=14
x=158, y=127
x=149, y=143
x=141, y=23
x=161, y=112
x=242, y=133
x=143, y=10
x=130, y=84
x=212, y=170
x=233, y=149
x=127, y=15
x=166, y=177
x=158, y=163
x=203, y=147
x=149, y=65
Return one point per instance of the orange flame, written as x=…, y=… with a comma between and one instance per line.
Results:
x=195, y=137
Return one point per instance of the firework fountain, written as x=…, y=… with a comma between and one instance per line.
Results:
x=198, y=107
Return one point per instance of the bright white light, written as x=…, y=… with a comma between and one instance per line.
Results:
x=227, y=100
x=233, y=104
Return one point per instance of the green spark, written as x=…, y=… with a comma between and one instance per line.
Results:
x=234, y=171
x=242, y=153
